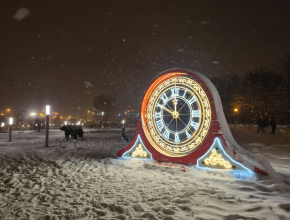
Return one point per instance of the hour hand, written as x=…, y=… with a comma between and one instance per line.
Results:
x=161, y=106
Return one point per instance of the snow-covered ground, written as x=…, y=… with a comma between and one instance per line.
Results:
x=85, y=180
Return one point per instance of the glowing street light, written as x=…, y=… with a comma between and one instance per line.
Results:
x=2, y=124
x=10, y=128
x=65, y=123
x=102, y=120
x=33, y=115
x=236, y=111
x=47, y=111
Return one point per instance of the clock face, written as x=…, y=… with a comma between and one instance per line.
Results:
x=178, y=115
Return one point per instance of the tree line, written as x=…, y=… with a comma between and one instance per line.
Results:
x=264, y=91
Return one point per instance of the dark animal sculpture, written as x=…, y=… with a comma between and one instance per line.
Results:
x=124, y=137
x=73, y=130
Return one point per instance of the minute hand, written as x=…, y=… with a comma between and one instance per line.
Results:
x=161, y=106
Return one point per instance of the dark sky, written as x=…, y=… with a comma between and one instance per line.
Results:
x=65, y=52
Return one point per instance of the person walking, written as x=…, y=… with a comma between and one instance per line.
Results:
x=265, y=124
x=273, y=125
x=260, y=124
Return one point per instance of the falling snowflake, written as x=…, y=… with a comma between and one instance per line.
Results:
x=21, y=14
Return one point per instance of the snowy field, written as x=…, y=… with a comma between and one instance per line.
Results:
x=85, y=180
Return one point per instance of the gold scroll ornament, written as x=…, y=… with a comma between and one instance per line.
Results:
x=216, y=158
x=139, y=152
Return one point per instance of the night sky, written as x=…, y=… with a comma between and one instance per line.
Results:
x=63, y=52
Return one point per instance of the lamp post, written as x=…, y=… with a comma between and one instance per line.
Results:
x=23, y=116
x=33, y=116
x=47, y=109
x=10, y=128
x=102, y=120
x=236, y=111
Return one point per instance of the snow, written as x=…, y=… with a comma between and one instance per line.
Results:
x=90, y=182
x=21, y=14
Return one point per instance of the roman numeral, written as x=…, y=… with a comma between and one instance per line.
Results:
x=194, y=125
x=184, y=93
x=160, y=125
x=176, y=138
x=164, y=98
x=192, y=100
x=166, y=134
x=196, y=113
x=158, y=114
x=187, y=134
x=175, y=92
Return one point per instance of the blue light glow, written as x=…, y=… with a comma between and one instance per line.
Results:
x=164, y=98
x=196, y=113
x=194, y=125
x=217, y=141
x=184, y=93
x=140, y=140
x=192, y=100
x=176, y=138
x=166, y=134
x=175, y=92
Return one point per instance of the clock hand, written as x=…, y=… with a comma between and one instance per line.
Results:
x=175, y=104
x=161, y=106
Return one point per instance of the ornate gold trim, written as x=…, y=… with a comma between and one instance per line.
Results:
x=139, y=152
x=216, y=158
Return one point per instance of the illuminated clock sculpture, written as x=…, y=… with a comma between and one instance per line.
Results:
x=181, y=120
x=178, y=116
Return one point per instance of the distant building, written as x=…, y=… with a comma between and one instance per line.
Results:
x=131, y=116
x=105, y=109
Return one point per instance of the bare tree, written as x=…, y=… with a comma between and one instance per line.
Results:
x=283, y=69
x=259, y=93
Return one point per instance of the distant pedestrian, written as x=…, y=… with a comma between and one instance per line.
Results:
x=260, y=124
x=265, y=124
x=273, y=125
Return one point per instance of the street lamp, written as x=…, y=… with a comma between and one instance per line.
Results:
x=33, y=116
x=10, y=128
x=236, y=111
x=47, y=111
x=102, y=120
